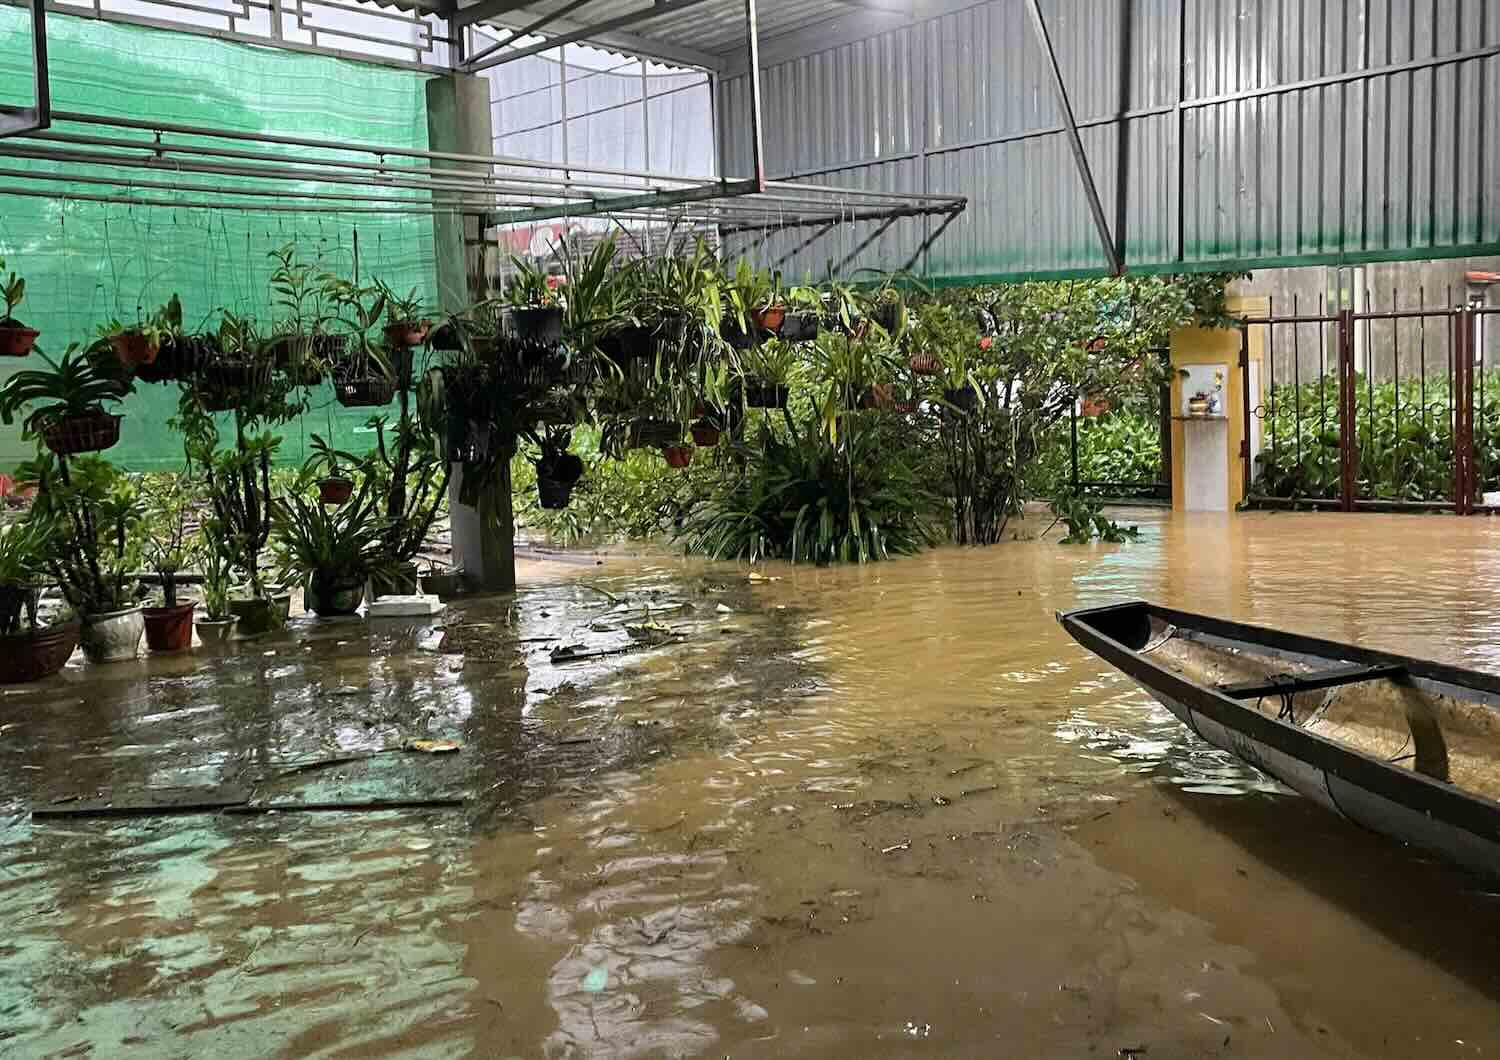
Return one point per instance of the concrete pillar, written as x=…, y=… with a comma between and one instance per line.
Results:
x=458, y=120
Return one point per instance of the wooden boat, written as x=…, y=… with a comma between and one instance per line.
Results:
x=1401, y=746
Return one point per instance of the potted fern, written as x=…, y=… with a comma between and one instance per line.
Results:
x=16, y=339
x=66, y=404
x=217, y=625
x=29, y=649
x=336, y=552
x=98, y=515
x=169, y=625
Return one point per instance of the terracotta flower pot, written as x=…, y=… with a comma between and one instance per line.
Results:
x=134, y=347
x=705, y=434
x=335, y=489
x=169, y=628
x=16, y=341
x=678, y=456
x=407, y=333
x=770, y=318
x=112, y=636
x=37, y=653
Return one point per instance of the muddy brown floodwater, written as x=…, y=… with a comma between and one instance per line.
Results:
x=854, y=812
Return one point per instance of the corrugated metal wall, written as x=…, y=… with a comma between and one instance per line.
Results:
x=1310, y=130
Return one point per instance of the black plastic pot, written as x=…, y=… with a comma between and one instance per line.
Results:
x=964, y=398
x=538, y=323
x=364, y=392
x=760, y=394
x=628, y=344
x=554, y=495
x=331, y=600
x=648, y=433
x=800, y=327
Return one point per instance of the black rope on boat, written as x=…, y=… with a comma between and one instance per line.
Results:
x=1287, y=713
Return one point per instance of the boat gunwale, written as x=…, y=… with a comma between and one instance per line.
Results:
x=1464, y=809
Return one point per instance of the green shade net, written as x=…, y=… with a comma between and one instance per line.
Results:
x=86, y=262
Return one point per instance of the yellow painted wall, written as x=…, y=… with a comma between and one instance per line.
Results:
x=1218, y=346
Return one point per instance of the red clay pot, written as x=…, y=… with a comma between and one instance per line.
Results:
x=134, y=347
x=705, y=434
x=407, y=333
x=335, y=490
x=770, y=318
x=678, y=456
x=37, y=653
x=169, y=628
x=16, y=341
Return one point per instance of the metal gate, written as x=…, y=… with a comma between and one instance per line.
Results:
x=1385, y=410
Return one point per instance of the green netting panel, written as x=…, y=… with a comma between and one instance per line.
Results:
x=88, y=262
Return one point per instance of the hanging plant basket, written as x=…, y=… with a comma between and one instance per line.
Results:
x=134, y=347
x=329, y=348
x=370, y=391
x=335, y=489
x=91, y=432
x=924, y=362
x=800, y=327
x=16, y=339
x=769, y=318
x=649, y=433
x=628, y=344
x=963, y=398
x=37, y=653
x=405, y=334
x=537, y=323
x=223, y=383
x=891, y=316
x=554, y=495
x=678, y=456
x=760, y=394
x=705, y=434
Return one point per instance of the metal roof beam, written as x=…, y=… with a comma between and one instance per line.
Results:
x=594, y=34
x=486, y=9
x=1075, y=142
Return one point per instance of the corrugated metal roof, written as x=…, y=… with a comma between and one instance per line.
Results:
x=716, y=27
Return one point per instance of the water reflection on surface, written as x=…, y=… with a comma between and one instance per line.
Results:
x=871, y=811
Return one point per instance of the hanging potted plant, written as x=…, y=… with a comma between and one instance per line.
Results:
x=29, y=648
x=139, y=343
x=334, y=551
x=756, y=304
x=16, y=339
x=765, y=374
x=705, y=432
x=164, y=326
x=66, y=402
x=804, y=306
x=238, y=374
x=98, y=515
x=557, y=470
x=406, y=326
x=536, y=308
x=300, y=301
x=335, y=486
x=678, y=456
x=217, y=624
x=169, y=625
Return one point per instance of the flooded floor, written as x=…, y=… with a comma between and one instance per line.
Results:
x=889, y=811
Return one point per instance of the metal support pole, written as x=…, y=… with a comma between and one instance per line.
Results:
x=757, y=156
x=38, y=116
x=1070, y=127
x=1463, y=412
x=1245, y=409
x=1347, y=420
x=1073, y=447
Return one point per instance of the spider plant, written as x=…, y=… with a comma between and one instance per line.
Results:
x=72, y=387
x=332, y=549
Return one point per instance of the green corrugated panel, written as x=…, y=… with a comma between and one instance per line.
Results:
x=87, y=262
